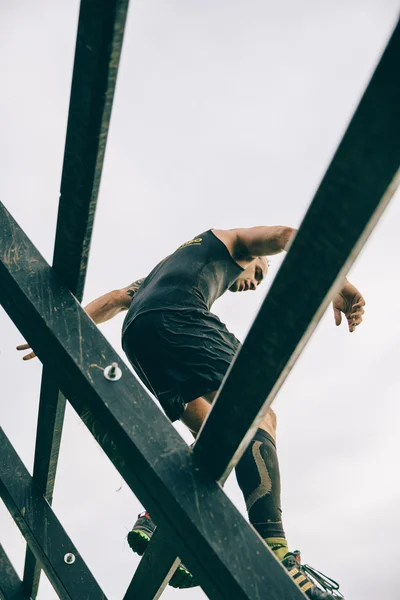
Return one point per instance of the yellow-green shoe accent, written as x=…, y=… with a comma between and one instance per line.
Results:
x=279, y=547
x=138, y=540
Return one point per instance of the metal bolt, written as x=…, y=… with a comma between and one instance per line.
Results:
x=69, y=558
x=113, y=372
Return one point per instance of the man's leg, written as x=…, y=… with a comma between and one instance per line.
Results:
x=257, y=473
x=259, y=479
x=197, y=410
x=196, y=413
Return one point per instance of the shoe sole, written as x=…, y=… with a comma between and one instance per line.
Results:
x=138, y=541
x=181, y=579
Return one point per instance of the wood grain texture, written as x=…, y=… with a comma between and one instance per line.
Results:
x=98, y=49
x=155, y=569
x=10, y=584
x=216, y=543
x=42, y=530
x=354, y=192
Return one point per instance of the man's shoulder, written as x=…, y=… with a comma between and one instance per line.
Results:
x=230, y=238
x=227, y=236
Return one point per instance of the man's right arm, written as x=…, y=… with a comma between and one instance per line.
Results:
x=264, y=240
x=247, y=243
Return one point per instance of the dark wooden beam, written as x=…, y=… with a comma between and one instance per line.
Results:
x=213, y=539
x=48, y=439
x=10, y=584
x=98, y=48
x=353, y=194
x=156, y=568
x=43, y=532
x=356, y=189
x=48, y=435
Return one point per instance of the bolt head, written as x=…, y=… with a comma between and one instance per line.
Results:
x=69, y=558
x=113, y=372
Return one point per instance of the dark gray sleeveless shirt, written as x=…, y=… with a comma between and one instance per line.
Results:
x=191, y=278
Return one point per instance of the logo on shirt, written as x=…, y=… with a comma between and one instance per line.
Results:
x=195, y=241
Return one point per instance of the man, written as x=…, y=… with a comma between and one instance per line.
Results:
x=181, y=352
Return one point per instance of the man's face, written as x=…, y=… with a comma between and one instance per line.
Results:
x=252, y=276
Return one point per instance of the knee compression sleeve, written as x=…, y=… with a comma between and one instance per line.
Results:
x=259, y=479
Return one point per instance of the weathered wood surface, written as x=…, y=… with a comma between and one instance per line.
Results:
x=353, y=194
x=156, y=568
x=10, y=584
x=98, y=48
x=42, y=530
x=47, y=447
x=357, y=187
x=208, y=533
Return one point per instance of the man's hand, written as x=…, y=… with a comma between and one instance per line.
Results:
x=26, y=347
x=350, y=302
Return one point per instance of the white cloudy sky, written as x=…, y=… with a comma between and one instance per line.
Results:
x=227, y=114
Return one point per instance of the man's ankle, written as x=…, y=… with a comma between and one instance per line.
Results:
x=279, y=546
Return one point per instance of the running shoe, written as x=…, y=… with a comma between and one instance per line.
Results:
x=138, y=540
x=315, y=585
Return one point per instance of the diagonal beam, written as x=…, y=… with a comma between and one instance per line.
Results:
x=226, y=555
x=351, y=198
x=48, y=439
x=42, y=530
x=10, y=583
x=156, y=568
x=353, y=194
x=98, y=48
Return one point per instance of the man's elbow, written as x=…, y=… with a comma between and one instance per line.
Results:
x=284, y=237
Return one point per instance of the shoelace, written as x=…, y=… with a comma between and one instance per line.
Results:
x=326, y=583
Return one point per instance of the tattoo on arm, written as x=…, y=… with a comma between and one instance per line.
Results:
x=133, y=288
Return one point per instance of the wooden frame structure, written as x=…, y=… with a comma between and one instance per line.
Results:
x=43, y=302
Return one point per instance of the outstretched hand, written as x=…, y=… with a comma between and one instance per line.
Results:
x=350, y=302
x=26, y=347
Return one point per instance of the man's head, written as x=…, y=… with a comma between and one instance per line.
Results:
x=252, y=276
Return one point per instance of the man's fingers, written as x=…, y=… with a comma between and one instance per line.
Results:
x=354, y=320
x=359, y=304
x=338, y=316
x=352, y=324
x=26, y=347
x=357, y=315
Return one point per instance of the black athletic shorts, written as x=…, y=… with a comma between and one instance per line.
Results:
x=179, y=356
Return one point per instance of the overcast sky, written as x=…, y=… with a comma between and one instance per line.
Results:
x=227, y=113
